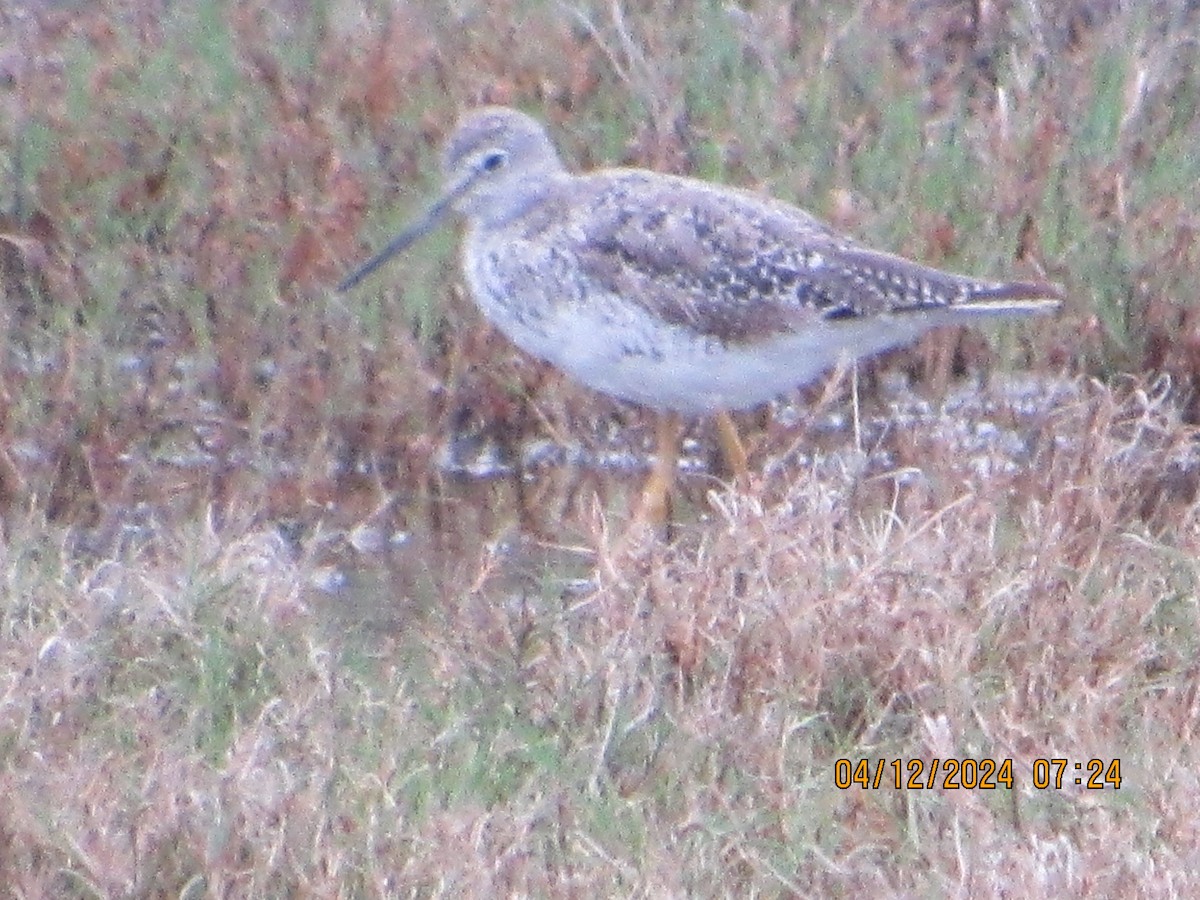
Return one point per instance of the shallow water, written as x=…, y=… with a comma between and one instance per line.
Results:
x=512, y=528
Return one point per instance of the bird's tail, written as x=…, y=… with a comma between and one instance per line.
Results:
x=1011, y=298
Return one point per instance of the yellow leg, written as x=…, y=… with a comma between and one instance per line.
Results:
x=656, y=495
x=732, y=450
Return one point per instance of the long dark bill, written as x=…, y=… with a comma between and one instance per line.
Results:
x=413, y=232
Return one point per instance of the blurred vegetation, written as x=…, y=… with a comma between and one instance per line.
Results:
x=184, y=185
x=190, y=419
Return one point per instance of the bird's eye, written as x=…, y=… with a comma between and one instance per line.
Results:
x=494, y=160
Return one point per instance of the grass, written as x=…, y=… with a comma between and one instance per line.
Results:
x=673, y=731
x=197, y=440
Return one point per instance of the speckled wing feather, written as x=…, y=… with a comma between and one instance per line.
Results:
x=738, y=267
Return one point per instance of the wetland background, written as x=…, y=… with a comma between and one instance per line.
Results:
x=305, y=593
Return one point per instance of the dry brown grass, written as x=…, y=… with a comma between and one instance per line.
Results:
x=197, y=440
x=177, y=717
x=188, y=185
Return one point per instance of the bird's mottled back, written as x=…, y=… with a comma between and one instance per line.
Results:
x=732, y=265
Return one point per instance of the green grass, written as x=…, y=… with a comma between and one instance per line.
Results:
x=185, y=713
x=585, y=746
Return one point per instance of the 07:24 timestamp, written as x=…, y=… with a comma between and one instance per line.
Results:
x=971, y=774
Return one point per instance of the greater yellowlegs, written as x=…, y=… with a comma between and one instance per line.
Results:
x=683, y=296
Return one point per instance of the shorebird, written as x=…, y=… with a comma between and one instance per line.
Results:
x=680, y=295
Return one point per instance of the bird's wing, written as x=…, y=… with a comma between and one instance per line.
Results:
x=738, y=267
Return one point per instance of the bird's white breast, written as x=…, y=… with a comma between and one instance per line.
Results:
x=548, y=309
